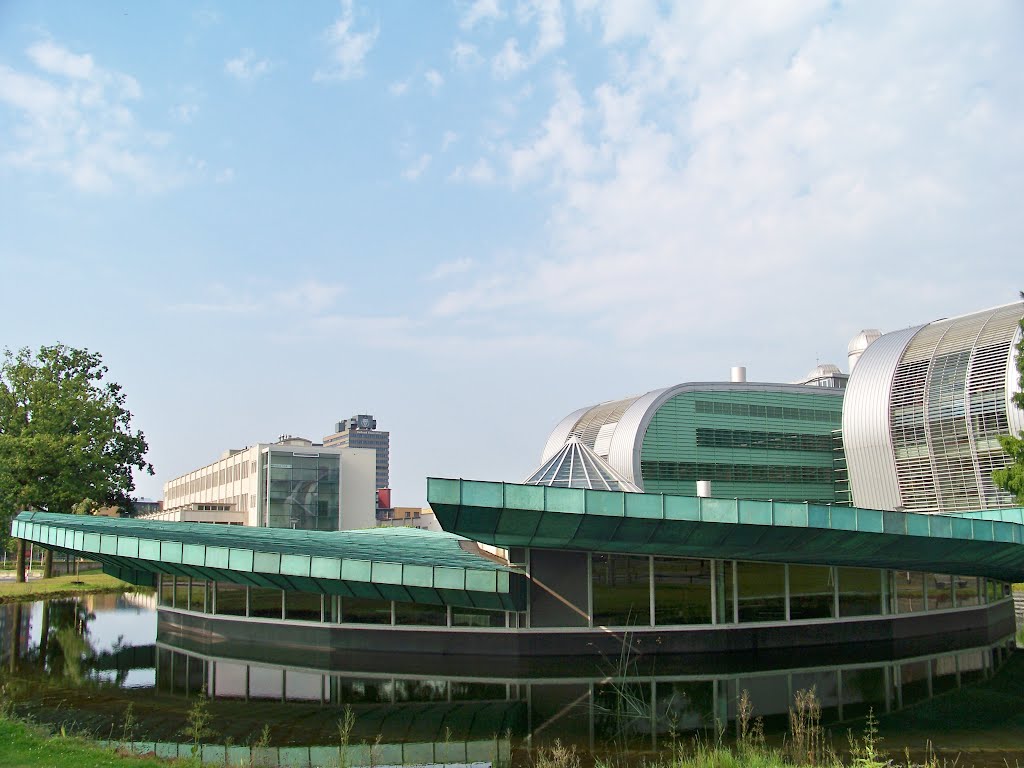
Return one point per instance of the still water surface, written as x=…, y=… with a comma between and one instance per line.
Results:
x=82, y=662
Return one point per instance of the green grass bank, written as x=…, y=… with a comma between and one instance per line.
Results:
x=23, y=745
x=63, y=586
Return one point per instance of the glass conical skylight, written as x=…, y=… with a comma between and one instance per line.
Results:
x=577, y=466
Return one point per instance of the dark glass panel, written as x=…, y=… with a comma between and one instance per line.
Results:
x=302, y=606
x=358, y=610
x=265, y=602
x=860, y=591
x=621, y=590
x=415, y=613
x=762, y=591
x=682, y=591
x=811, y=592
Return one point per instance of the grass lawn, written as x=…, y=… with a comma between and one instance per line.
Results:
x=26, y=746
x=61, y=586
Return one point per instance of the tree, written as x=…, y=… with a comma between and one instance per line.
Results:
x=65, y=434
x=1012, y=478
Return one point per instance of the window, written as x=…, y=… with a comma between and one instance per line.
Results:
x=762, y=591
x=811, y=592
x=682, y=591
x=621, y=587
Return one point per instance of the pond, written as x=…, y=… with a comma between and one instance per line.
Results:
x=108, y=666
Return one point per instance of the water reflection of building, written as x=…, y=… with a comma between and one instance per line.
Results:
x=584, y=704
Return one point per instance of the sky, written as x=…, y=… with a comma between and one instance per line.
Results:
x=471, y=217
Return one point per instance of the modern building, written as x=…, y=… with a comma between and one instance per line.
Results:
x=361, y=432
x=293, y=483
x=749, y=440
x=614, y=548
x=924, y=409
x=587, y=573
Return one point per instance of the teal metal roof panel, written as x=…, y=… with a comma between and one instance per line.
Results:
x=394, y=562
x=989, y=543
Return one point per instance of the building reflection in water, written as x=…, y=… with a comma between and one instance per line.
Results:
x=69, y=651
x=637, y=711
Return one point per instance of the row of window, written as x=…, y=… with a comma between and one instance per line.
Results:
x=268, y=603
x=637, y=590
x=634, y=590
x=205, y=482
x=690, y=471
x=721, y=408
x=772, y=441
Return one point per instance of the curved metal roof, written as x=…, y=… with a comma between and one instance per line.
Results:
x=627, y=421
x=509, y=515
x=404, y=564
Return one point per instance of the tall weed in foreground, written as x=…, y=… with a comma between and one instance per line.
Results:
x=806, y=742
x=197, y=723
x=557, y=756
x=867, y=752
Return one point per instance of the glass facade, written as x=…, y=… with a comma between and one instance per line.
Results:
x=303, y=491
x=682, y=591
x=860, y=591
x=621, y=590
x=811, y=592
x=751, y=445
x=762, y=591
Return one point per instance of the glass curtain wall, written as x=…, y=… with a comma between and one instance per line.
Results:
x=811, y=592
x=762, y=591
x=621, y=590
x=682, y=591
x=860, y=591
x=302, y=491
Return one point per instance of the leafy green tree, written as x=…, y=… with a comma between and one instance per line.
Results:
x=65, y=434
x=1012, y=478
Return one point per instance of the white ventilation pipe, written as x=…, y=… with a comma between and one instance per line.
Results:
x=738, y=374
x=704, y=489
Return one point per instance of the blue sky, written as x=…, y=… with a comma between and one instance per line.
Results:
x=470, y=218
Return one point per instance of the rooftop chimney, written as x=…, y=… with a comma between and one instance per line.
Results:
x=739, y=374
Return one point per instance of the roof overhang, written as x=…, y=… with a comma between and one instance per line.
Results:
x=407, y=565
x=513, y=515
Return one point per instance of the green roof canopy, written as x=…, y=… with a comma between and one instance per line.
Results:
x=402, y=564
x=509, y=515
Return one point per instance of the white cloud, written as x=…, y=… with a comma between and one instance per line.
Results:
x=550, y=25
x=465, y=55
x=416, y=170
x=481, y=11
x=447, y=139
x=246, y=67
x=74, y=118
x=449, y=268
x=509, y=61
x=185, y=112
x=225, y=176
x=481, y=172
x=765, y=158
x=311, y=296
x=348, y=47
x=434, y=78
x=398, y=88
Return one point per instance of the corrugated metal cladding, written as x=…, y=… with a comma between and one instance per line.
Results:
x=943, y=393
x=866, y=436
x=619, y=428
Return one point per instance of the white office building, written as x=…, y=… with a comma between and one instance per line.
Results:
x=293, y=483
